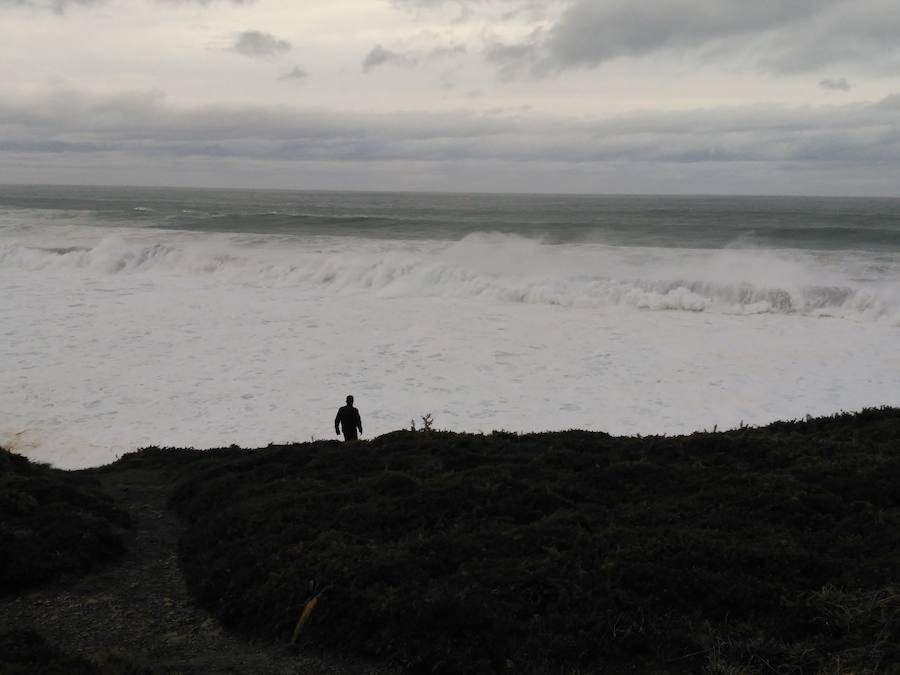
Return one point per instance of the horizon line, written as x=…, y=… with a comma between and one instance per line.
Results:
x=412, y=191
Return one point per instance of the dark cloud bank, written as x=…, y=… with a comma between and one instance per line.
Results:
x=856, y=147
x=778, y=36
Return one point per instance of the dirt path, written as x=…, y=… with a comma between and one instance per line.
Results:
x=138, y=607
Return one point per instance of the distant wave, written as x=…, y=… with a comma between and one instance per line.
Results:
x=503, y=268
x=300, y=224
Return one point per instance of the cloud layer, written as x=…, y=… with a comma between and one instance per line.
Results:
x=414, y=83
x=589, y=33
x=146, y=124
x=777, y=36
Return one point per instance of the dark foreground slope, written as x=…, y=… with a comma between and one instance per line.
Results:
x=52, y=522
x=775, y=549
x=133, y=614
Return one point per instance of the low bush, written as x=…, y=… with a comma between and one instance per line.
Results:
x=24, y=652
x=52, y=522
x=756, y=550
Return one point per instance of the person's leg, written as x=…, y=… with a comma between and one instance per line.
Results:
x=350, y=435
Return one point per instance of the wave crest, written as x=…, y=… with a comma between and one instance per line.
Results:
x=501, y=268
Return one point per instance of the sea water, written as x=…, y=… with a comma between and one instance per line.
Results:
x=174, y=317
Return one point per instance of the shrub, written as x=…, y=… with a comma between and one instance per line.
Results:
x=544, y=553
x=24, y=652
x=52, y=522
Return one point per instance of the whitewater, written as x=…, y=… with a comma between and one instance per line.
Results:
x=129, y=320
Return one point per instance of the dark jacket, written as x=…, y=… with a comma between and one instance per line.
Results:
x=348, y=421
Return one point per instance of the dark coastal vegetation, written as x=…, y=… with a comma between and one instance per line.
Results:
x=759, y=550
x=26, y=652
x=52, y=522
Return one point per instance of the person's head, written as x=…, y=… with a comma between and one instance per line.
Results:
x=349, y=400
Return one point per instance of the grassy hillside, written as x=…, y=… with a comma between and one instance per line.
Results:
x=760, y=550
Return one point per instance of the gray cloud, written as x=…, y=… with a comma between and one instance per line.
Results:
x=380, y=56
x=850, y=147
x=204, y=2
x=410, y=4
x=468, y=10
x=589, y=33
x=295, y=73
x=440, y=53
x=863, y=33
x=430, y=4
x=144, y=123
x=778, y=36
x=514, y=59
x=835, y=84
x=60, y=6
x=255, y=44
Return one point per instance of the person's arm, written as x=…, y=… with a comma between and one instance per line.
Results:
x=358, y=422
x=337, y=423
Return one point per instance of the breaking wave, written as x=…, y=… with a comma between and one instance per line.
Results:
x=506, y=268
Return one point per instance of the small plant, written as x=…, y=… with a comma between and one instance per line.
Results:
x=304, y=617
x=718, y=665
x=427, y=423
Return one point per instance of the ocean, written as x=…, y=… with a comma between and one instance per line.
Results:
x=178, y=317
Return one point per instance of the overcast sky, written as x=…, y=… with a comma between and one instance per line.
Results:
x=665, y=96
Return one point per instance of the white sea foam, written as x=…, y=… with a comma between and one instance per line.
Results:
x=504, y=268
x=176, y=338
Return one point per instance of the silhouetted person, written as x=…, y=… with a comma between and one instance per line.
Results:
x=348, y=420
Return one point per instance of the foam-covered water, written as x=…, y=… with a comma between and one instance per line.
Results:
x=130, y=318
